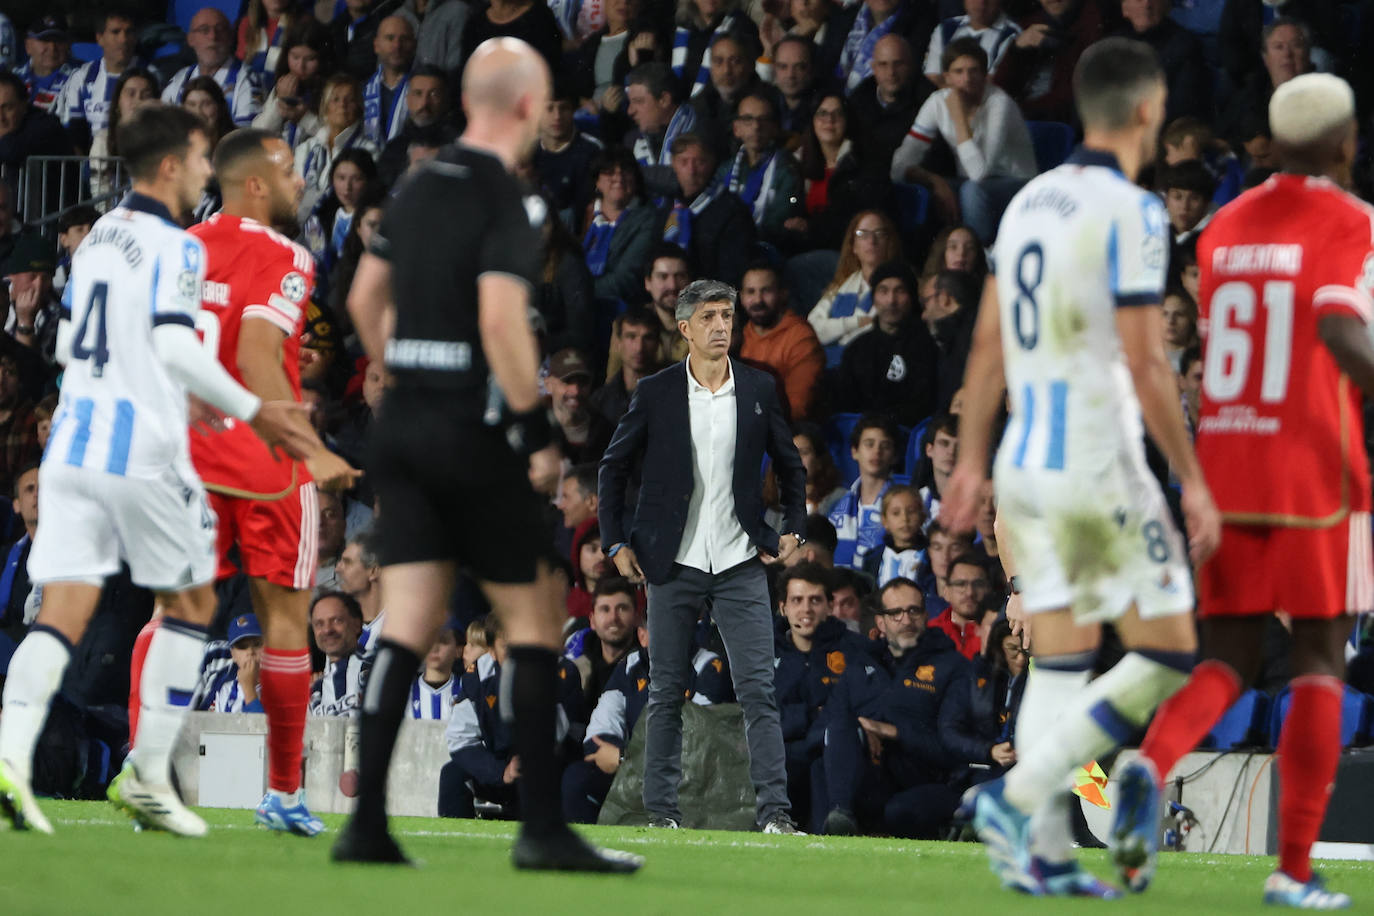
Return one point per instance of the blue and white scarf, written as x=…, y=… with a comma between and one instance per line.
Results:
x=373, y=116
x=596, y=244
x=678, y=228
x=682, y=36
x=856, y=60
x=684, y=121
x=753, y=186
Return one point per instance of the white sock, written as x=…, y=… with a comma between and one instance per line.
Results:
x=1107, y=713
x=288, y=799
x=35, y=673
x=169, y=678
x=1049, y=691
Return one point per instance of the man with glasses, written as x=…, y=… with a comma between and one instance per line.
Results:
x=890, y=739
x=763, y=174
x=967, y=587
x=212, y=39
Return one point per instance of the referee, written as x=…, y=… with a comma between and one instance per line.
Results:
x=461, y=441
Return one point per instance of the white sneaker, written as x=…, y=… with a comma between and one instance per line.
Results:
x=154, y=807
x=17, y=802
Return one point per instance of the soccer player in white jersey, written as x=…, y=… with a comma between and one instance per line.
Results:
x=1073, y=323
x=117, y=480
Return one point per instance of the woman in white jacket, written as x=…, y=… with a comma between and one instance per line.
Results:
x=845, y=310
x=291, y=106
x=341, y=110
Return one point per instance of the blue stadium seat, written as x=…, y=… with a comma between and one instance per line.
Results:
x=589, y=122
x=170, y=49
x=180, y=12
x=1053, y=142
x=1244, y=724
x=1356, y=712
x=83, y=51
x=1201, y=17
x=837, y=432
x=913, y=204
x=914, y=452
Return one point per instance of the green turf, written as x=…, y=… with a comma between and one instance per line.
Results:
x=96, y=864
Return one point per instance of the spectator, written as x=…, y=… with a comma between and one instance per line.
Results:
x=261, y=33
x=826, y=26
x=1190, y=385
x=604, y=59
x=336, y=621
x=133, y=87
x=619, y=233
x=1036, y=69
x=904, y=542
x=813, y=652
x=652, y=103
x=564, y=296
x=72, y=228
x=876, y=20
x=940, y=448
x=933, y=576
x=352, y=32
x=36, y=309
x=714, y=227
x=891, y=368
x=84, y=106
x=1188, y=187
x=950, y=314
x=845, y=310
x=365, y=220
x=700, y=23
x=351, y=174
x=1191, y=138
x=820, y=544
x=1183, y=270
x=475, y=645
x=635, y=339
x=582, y=432
x=236, y=688
x=333, y=525
x=764, y=175
x=18, y=429
x=1180, y=324
x=15, y=587
x=384, y=93
x=291, y=107
x=615, y=619
x=967, y=587
x=857, y=517
x=732, y=78
x=1241, y=33
x=956, y=248
x=341, y=114
x=833, y=188
x=984, y=22
x=45, y=73
x=851, y=589
x=993, y=152
x=530, y=21
x=25, y=129
x=426, y=124
x=1181, y=56
x=780, y=341
x=204, y=98
x=888, y=751
x=576, y=501
x=794, y=75
x=438, y=26
x=563, y=158
x=436, y=688
x=823, y=486
x=999, y=679
x=211, y=39
x=666, y=275
x=359, y=575
x=589, y=567
x=885, y=104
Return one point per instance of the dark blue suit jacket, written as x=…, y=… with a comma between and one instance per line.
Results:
x=658, y=426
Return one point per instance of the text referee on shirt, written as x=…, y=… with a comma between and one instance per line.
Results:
x=702, y=427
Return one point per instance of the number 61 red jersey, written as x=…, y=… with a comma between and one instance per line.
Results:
x=1280, y=436
x=251, y=272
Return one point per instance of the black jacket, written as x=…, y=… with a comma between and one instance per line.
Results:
x=881, y=128
x=355, y=54
x=722, y=236
x=658, y=427
x=894, y=373
x=1185, y=67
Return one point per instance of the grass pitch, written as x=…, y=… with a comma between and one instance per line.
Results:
x=97, y=864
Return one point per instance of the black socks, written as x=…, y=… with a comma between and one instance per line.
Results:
x=529, y=688
x=384, y=707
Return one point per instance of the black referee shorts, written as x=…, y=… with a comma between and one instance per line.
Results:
x=453, y=491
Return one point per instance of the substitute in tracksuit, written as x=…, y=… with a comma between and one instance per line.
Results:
x=813, y=651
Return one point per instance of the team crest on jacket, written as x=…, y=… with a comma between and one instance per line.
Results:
x=925, y=673
x=293, y=287
x=835, y=662
x=491, y=702
x=641, y=683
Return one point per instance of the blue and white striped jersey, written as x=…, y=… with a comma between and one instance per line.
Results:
x=434, y=703
x=339, y=691
x=120, y=411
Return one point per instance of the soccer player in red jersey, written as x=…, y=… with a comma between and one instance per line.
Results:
x=1287, y=273
x=257, y=287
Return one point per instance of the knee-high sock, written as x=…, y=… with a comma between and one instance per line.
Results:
x=1055, y=683
x=285, y=693
x=1109, y=711
x=141, y=643
x=529, y=699
x=35, y=673
x=383, y=710
x=1309, y=750
x=1186, y=717
x=169, y=679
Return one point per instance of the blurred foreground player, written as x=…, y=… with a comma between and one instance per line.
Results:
x=449, y=275
x=257, y=285
x=1287, y=272
x=117, y=480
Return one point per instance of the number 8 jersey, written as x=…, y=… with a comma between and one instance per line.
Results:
x=1075, y=244
x=1280, y=435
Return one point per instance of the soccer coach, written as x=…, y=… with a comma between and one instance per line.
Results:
x=702, y=427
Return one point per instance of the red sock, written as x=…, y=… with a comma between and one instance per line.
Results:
x=1309, y=749
x=1185, y=718
x=285, y=694
x=141, y=643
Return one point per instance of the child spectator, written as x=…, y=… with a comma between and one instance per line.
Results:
x=72, y=229
x=1188, y=189
x=857, y=517
x=1192, y=138
x=1180, y=324
x=237, y=687
x=933, y=574
x=941, y=448
x=904, y=543
x=43, y=413
x=476, y=644
x=436, y=690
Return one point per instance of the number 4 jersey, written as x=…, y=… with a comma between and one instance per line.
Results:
x=252, y=272
x=1280, y=434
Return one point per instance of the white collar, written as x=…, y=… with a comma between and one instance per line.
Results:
x=693, y=385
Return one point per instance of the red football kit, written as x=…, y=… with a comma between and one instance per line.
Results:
x=265, y=503
x=1280, y=434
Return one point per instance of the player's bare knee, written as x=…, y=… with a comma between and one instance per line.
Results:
x=68, y=607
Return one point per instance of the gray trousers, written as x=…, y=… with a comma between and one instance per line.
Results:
x=740, y=607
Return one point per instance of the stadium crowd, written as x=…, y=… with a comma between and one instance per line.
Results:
x=844, y=165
